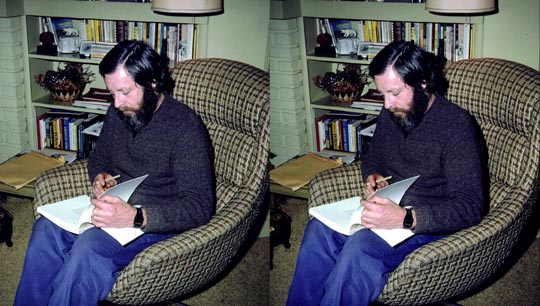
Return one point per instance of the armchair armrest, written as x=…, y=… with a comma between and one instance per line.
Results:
x=336, y=184
x=64, y=182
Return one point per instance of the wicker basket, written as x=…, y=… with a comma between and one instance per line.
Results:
x=67, y=95
x=346, y=94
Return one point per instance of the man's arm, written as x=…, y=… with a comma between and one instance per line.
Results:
x=463, y=205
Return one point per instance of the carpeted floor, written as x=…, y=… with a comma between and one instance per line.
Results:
x=250, y=283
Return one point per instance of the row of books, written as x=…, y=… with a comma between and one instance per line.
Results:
x=177, y=41
x=341, y=131
x=454, y=41
x=67, y=130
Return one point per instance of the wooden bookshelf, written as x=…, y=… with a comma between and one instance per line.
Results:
x=38, y=100
x=318, y=102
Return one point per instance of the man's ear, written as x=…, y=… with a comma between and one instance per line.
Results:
x=424, y=85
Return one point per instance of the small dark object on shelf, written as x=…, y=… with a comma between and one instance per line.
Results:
x=325, y=45
x=47, y=46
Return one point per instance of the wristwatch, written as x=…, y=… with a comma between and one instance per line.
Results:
x=408, y=220
x=139, y=217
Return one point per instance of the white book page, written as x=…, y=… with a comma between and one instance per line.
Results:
x=337, y=215
x=66, y=214
x=355, y=223
x=85, y=220
x=396, y=190
x=125, y=189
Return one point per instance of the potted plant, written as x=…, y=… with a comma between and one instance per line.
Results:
x=67, y=82
x=343, y=85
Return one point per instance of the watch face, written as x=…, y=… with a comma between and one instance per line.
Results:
x=408, y=221
x=139, y=218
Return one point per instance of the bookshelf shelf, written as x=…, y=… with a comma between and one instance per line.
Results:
x=345, y=59
x=63, y=58
x=47, y=103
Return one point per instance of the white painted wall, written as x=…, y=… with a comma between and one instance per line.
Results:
x=241, y=32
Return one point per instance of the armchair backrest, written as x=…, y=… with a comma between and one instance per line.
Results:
x=232, y=99
x=504, y=98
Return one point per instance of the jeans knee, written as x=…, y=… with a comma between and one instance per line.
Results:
x=42, y=224
x=315, y=234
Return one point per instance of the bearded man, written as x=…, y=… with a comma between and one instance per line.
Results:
x=145, y=132
x=418, y=132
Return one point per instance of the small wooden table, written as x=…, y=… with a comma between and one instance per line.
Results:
x=25, y=191
x=280, y=189
x=276, y=188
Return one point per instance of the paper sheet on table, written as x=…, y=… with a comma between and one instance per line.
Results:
x=297, y=173
x=23, y=169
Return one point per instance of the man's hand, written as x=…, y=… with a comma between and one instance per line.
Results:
x=382, y=213
x=102, y=182
x=374, y=182
x=111, y=211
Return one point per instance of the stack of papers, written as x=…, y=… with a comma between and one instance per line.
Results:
x=366, y=106
x=25, y=168
x=95, y=98
x=298, y=172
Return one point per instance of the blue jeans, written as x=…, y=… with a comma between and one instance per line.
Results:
x=335, y=269
x=61, y=268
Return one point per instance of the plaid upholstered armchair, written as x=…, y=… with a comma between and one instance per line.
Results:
x=233, y=100
x=504, y=97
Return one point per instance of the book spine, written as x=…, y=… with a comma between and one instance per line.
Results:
x=345, y=135
x=66, y=136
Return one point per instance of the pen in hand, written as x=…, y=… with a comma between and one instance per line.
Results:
x=117, y=177
x=381, y=180
x=110, y=179
x=104, y=185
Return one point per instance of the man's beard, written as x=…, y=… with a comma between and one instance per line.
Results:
x=141, y=117
x=414, y=116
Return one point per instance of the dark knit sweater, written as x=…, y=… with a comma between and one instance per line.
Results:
x=446, y=150
x=175, y=150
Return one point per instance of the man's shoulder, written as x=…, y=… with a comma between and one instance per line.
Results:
x=453, y=110
x=178, y=111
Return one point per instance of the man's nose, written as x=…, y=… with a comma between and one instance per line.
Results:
x=388, y=102
x=118, y=102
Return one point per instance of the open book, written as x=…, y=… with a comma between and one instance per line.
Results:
x=345, y=216
x=75, y=214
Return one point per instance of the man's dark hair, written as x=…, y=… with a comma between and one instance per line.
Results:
x=413, y=64
x=142, y=62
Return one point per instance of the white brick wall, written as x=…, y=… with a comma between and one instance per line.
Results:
x=287, y=113
x=13, y=130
